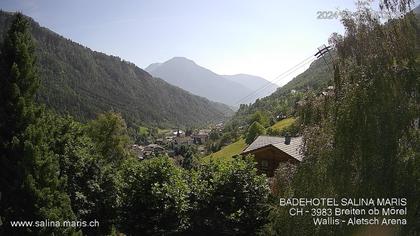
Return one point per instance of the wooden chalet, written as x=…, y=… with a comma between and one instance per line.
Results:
x=270, y=151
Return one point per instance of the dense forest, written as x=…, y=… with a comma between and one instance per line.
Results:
x=84, y=83
x=361, y=140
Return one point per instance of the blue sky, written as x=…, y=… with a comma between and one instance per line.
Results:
x=264, y=38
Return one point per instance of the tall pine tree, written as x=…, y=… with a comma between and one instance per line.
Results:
x=31, y=188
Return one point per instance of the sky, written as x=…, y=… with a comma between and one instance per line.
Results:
x=258, y=37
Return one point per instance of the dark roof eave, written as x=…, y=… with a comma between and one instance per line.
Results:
x=266, y=146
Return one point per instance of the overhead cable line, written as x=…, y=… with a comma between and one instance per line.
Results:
x=279, y=77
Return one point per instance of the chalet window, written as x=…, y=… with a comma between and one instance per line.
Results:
x=264, y=165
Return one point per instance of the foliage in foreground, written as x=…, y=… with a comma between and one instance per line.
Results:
x=363, y=141
x=57, y=169
x=30, y=183
x=215, y=198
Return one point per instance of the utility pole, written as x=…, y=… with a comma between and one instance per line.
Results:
x=321, y=52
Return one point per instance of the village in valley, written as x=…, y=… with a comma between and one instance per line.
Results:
x=169, y=142
x=279, y=143
x=282, y=143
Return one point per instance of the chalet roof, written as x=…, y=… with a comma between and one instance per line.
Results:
x=154, y=146
x=183, y=138
x=293, y=149
x=200, y=135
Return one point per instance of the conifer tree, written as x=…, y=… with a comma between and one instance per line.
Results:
x=254, y=131
x=29, y=171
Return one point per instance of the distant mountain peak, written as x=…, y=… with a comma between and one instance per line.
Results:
x=180, y=60
x=175, y=61
x=152, y=66
x=186, y=74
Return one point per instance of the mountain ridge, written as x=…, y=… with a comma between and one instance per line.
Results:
x=83, y=83
x=254, y=82
x=187, y=74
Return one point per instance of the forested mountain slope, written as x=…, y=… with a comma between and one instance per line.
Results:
x=315, y=77
x=283, y=100
x=82, y=82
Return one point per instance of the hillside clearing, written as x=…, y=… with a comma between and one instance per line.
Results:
x=280, y=125
x=236, y=148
